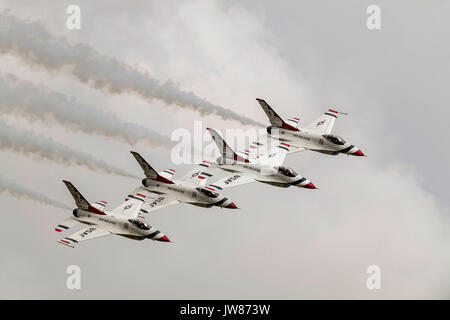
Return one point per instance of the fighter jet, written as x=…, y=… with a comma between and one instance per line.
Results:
x=191, y=189
x=125, y=220
x=267, y=168
x=316, y=137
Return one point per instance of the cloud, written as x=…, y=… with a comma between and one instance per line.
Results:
x=283, y=243
x=28, y=143
x=22, y=192
x=32, y=42
x=33, y=103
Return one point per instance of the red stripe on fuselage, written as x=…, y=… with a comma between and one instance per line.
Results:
x=239, y=158
x=96, y=211
x=288, y=127
x=164, y=180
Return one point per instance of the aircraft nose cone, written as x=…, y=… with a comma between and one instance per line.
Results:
x=164, y=239
x=231, y=206
x=358, y=153
x=310, y=185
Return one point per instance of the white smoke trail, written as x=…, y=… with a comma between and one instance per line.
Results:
x=22, y=97
x=28, y=143
x=21, y=192
x=32, y=42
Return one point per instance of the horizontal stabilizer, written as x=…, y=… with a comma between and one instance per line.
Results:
x=67, y=224
x=168, y=174
x=324, y=124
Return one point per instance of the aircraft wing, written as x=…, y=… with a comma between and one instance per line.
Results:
x=324, y=124
x=132, y=205
x=276, y=156
x=200, y=174
x=153, y=201
x=230, y=181
x=158, y=202
x=88, y=233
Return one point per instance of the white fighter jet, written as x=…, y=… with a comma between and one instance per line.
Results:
x=191, y=189
x=267, y=168
x=316, y=136
x=125, y=220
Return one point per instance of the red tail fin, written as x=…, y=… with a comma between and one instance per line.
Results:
x=274, y=118
x=224, y=148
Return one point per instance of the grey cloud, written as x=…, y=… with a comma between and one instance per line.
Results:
x=35, y=44
x=283, y=243
x=23, y=98
x=28, y=143
x=20, y=192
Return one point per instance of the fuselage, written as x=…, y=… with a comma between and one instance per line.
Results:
x=324, y=143
x=277, y=176
x=137, y=229
x=188, y=193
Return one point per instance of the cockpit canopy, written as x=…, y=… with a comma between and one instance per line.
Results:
x=287, y=171
x=208, y=193
x=334, y=139
x=141, y=224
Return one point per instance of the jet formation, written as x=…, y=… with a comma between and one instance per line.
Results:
x=263, y=163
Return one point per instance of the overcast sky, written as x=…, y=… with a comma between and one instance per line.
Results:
x=390, y=209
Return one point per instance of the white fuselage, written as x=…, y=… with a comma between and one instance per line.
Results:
x=117, y=224
x=312, y=141
x=277, y=176
x=187, y=193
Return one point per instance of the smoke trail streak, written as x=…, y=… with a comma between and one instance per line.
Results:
x=28, y=143
x=22, y=97
x=32, y=42
x=21, y=192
